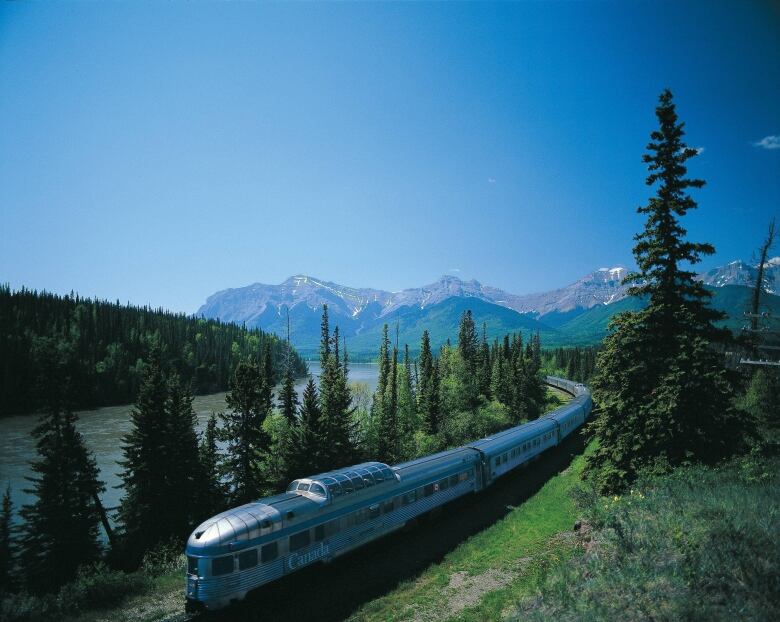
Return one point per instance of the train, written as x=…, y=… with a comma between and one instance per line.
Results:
x=323, y=516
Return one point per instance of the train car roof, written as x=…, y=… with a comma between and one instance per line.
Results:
x=508, y=438
x=427, y=466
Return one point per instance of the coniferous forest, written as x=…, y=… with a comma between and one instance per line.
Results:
x=105, y=345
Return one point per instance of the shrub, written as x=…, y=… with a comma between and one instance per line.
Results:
x=699, y=544
x=98, y=586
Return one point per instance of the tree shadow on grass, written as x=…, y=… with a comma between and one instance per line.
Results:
x=331, y=592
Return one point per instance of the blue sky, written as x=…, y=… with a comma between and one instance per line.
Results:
x=159, y=152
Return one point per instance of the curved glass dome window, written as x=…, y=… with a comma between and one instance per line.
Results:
x=377, y=473
x=293, y=486
x=357, y=481
x=346, y=483
x=318, y=490
x=333, y=486
x=303, y=487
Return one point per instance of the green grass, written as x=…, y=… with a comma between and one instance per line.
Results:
x=490, y=571
x=698, y=544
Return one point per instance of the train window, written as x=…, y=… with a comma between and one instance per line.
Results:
x=453, y=479
x=368, y=479
x=304, y=487
x=463, y=476
x=388, y=474
x=357, y=481
x=410, y=497
x=247, y=559
x=378, y=476
x=300, y=540
x=317, y=490
x=388, y=506
x=498, y=461
x=506, y=457
x=347, y=487
x=293, y=486
x=269, y=552
x=373, y=511
x=428, y=490
x=192, y=565
x=319, y=533
x=335, y=490
x=222, y=565
x=444, y=484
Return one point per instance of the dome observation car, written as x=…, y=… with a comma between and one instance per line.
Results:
x=348, y=481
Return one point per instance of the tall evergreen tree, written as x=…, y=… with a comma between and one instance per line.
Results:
x=184, y=473
x=288, y=398
x=61, y=525
x=6, y=544
x=483, y=365
x=249, y=402
x=335, y=403
x=324, y=338
x=661, y=387
x=212, y=496
x=468, y=345
x=150, y=477
x=309, y=450
x=427, y=391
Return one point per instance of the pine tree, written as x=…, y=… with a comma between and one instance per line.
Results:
x=6, y=544
x=661, y=387
x=61, y=525
x=249, y=401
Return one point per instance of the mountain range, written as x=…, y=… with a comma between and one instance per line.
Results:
x=575, y=314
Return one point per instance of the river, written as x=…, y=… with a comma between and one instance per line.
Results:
x=103, y=430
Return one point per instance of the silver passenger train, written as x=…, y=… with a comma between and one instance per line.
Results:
x=323, y=516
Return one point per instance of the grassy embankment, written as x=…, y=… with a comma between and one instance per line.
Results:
x=698, y=544
x=484, y=577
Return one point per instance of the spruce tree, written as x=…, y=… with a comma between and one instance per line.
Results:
x=212, y=495
x=427, y=392
x=662, y=389
x=484, y=367
x=389, y=424
x=309, y=450
x=288, y=398
x=6, y=544
x=61, y=526
x=335, y=403
x=184, y=473
x=145, y=511
x=467, y=342
x=249, y=403
x=407, y=404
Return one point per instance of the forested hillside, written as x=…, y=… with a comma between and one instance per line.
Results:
x=105, y=344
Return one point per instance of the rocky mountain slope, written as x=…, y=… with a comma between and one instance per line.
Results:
x=577, y=312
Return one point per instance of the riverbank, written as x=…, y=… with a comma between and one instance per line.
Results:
x=104, y=429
